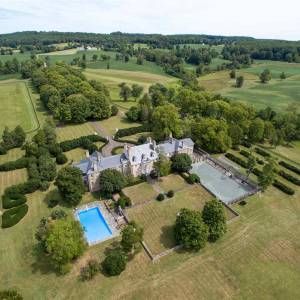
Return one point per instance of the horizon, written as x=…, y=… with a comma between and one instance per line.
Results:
x=166, y=18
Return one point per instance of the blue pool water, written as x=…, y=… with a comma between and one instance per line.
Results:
x=94, y=225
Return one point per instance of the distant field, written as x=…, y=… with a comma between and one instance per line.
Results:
x=112, y=79
x=19, y=56
x=16, y=106
x=277, y=93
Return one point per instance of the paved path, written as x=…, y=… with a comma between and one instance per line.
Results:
x=107, y=149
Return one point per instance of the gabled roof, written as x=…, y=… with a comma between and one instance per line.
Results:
x=173, y=145
x=141, y=153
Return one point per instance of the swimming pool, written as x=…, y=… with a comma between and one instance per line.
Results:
x=94, y=225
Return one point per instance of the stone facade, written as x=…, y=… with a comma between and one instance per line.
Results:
x=135, y=160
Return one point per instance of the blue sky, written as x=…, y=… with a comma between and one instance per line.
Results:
x=258, y=18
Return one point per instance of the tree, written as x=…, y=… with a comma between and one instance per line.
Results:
x=132, y=236
x=114, y=263
x=140, y=60
x=79, y=107
x=256, y=130
x=47, y=168
x=162, y=166
x=190, y=230
x=282, y=76
x=133, y=114
x=232, y=74
x=136, y=91
x=70, y=184
x=166, y=121
x=99, y=106
x=95, y=57
x=125, y=92
x=239, y=81
x=265, y=76
x=112, y=181
x=251, y=162
x=64, y=242
x=10, y=295
x=181, y=162
x=214, y=217
x=268, y=175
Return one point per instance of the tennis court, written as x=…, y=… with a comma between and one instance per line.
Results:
x=220, y=183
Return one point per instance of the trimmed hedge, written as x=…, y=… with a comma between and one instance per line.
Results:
x=114, y=151
x=245, y=153
x=132, y=130
x=160, y=197
x=283, y=187
x=236, y=159
x=84, y=142
x=257, y=172
x=14, y=165
x=14, y=215
x=289, y=177
x=290, y=167
x=262, y=152
x=246, y=144
x=13, y=200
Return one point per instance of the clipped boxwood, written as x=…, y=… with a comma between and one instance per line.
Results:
x=170, y=194
x=246, y=144
x=13, y=200
x=245, y=153
x=262, y=152
x=132, y=130
x=281, y=186
x=82, y=142
x=14, y=165
x=14, y=215
x=236, y=159
x=160, y=197
x=290, y=167
x=289, y=177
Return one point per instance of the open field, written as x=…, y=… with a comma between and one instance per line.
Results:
x=257, y=259
x=17, y=106
x=11, y=155
x=19, y=56
x=112, y=79
x=277, y=93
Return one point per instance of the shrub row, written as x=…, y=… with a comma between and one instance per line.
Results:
x=289, y=177
x=132, y=130
x=114, y=151
x=14, y=215
x=246, y=144
x=290, y=167
x=27, y=187
x=190, y=178
x=262, y=152
x=245, y=153
x=257, y=172
x=283, y=187
x=236, y=159
x=85, y=142
x=126, y=141
x=9, y=201
x=14, y=165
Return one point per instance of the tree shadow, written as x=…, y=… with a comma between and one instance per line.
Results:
x=167, y=238
x=41, y=263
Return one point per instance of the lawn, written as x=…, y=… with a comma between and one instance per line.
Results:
x=257, y=259
x=135, y=137
x=158, y=218
x=11, y=155
x=17, y=106
x=69, y=132
x=12, y=177
x=277, y=93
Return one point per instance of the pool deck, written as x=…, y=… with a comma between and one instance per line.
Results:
x=109, y=219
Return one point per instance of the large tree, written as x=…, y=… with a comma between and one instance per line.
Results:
x=181, y=162
x=190, y=230
x=265, y=76
x=112, y=181
x=70, y=184
x=267, y=176
x=115, y=262
x=132, y=236
x=256, y=130
x=166, y=121
x=162, y=166
x=214, y=217
x=64, y=242
x=125, y=91
x=136, y=91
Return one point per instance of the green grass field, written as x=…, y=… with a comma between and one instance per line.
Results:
x=69, y=132
x=278, y=94
x=17, y=106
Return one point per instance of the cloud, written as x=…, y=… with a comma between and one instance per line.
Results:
x=264, y=19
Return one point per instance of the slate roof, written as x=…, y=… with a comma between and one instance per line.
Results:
x=173, y=145
x=141, y=153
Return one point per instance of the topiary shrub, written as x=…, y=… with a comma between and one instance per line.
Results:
x=193, y=178
x=160, y=197
x=61, y=159
x=170, y=194
x=14, y=215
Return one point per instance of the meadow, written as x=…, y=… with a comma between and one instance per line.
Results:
x=278, y=93
x=17, y=107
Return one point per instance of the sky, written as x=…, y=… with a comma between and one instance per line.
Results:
x=257, y=18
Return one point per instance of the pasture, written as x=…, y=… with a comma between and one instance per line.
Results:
x=278, y=94
x=17, y=106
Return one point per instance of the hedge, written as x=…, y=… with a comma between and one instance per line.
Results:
x=82, y=142
x=290, y=167
x=27, y=187
x=257, y=172
x=283, y=187
x=246, y=144
x=262, y=152
x=114, y=151
x=236, y=159
x=245, y=153
x=14, y=165
x=14, y=215
x=289, y=177
x=132, y=130
x=13, y=200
